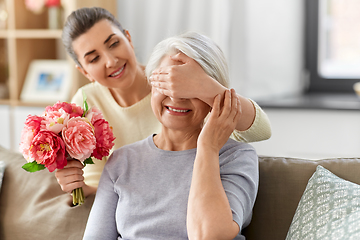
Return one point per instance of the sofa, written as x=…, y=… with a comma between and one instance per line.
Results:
x=32, y=205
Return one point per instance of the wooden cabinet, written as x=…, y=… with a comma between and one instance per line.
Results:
x=25, y=36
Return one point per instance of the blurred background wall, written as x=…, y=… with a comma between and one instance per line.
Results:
x=262, y=40
x=264, y=43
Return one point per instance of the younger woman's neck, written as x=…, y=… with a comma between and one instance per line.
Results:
x=137, y=91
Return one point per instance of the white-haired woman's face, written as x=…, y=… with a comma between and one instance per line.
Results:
x=178, y=113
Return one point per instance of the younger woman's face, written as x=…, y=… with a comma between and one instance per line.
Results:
x=106, y=55
x=178, y=113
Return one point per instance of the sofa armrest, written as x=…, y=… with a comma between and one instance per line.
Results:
x=33, y=206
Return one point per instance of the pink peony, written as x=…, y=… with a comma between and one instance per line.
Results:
x=79, y=138
x=33, y=124
x=55, y=121
x=48, y=149
x=94, y=114
x=70, y=108
x=104, y=138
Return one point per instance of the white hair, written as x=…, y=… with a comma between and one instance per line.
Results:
x=196, y=46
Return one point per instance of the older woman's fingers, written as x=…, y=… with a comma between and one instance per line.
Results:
x=238, y=111
x=234, y=104
x=226, y=108
x=216, y=106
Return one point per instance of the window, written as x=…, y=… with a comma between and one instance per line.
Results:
x=332, y=44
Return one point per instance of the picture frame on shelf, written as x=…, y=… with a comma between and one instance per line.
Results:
x=47, y=81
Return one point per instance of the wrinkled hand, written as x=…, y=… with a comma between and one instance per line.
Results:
x=184, y=79
x=221, y=122
x=71, y=176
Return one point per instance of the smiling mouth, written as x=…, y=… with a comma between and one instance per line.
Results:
x=178, y=110
x=115, y=74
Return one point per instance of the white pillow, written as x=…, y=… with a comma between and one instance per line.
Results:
x=329, y=209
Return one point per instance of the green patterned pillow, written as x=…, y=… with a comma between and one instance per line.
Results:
x=328, y=209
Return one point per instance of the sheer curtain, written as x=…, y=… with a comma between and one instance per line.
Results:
x=151, y=21
x=261, y=39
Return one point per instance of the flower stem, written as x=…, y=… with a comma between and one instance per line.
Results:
x=78, y=196
x=74, y=197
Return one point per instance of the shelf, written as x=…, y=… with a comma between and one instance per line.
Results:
x=5, y=102
x=32, y=104
x=24, y=37
x=34, y=34
x=17, y=103
x=3, y=33
x=31, y=34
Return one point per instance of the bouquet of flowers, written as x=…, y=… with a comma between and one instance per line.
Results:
x=65, y=130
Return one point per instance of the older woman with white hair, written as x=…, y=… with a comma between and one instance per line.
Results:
x=189, y=181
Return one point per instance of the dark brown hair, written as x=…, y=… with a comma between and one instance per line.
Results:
x=80, y=21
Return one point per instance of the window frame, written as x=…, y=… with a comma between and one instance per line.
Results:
x=317, y=83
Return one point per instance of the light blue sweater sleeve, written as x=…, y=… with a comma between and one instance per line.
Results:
x=240, y=179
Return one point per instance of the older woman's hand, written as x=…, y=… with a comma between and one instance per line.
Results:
x=209, y=212
x=221, y=122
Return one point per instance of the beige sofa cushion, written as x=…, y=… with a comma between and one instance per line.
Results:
x=32, y=205
x=282, y=183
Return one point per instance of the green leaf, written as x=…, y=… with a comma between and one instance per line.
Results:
x=86, y=106
x=33, y=166
x=88, y=161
